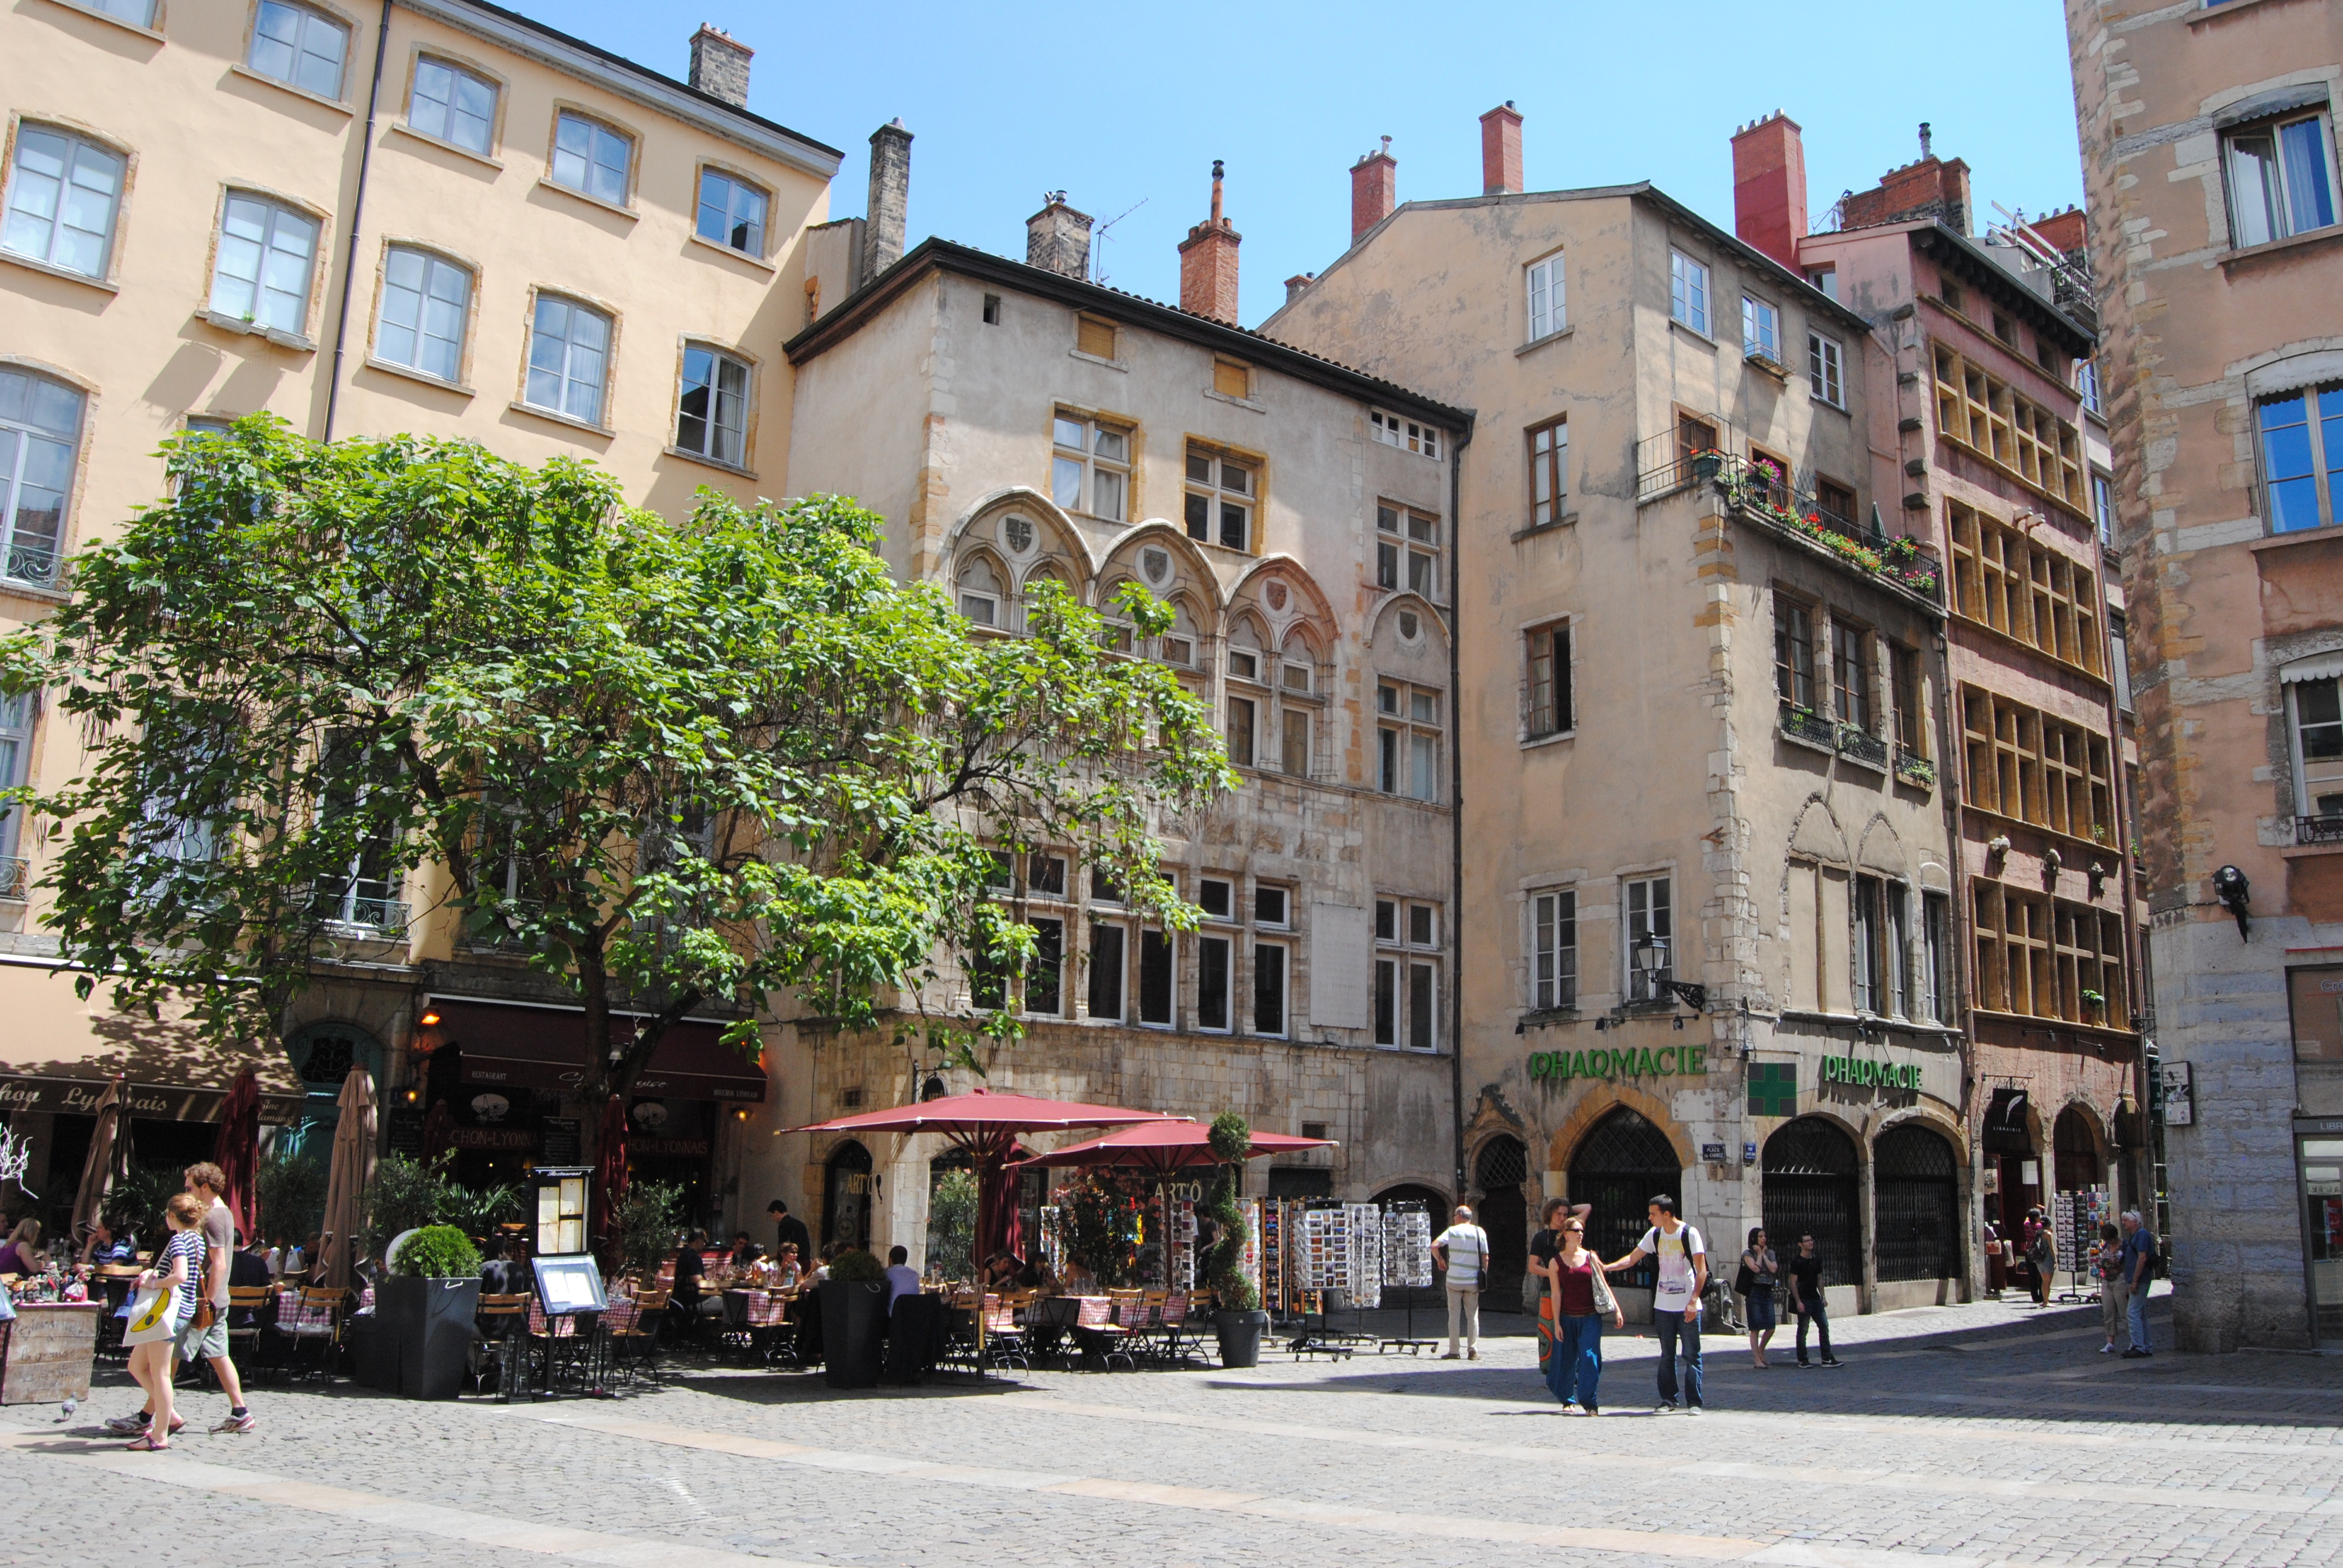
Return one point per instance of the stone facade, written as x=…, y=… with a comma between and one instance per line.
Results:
x=2222, y=293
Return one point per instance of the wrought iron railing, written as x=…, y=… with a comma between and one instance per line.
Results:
x=1760, y=490
x=1665, y=463
x=1805, y=724
x=33, y=562
x=15, y=878
x=1863, y=746
x=2318, y=829
x=1912, y=766
x=360, y=904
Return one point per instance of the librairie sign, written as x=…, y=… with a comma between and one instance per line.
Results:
x=1862, y=1072
x=1668, y=1062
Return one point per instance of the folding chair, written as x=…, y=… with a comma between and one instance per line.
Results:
x=247, y=1306
x=499, y=1319
x=1173, y=1320
x=312, y=1317
x=1004, y=1338
x=634, y=1333
x=1097, y=1334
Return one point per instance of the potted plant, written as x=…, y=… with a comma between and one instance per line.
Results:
x=2098, y=1003
x=853, y=1320
x=1706, y=464
x=1238, y=1322
x=424, y=1307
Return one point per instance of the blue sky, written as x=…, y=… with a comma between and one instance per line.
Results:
x=1123, y=105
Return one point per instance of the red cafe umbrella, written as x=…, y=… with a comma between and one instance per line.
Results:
x=1162, y=1148
x=610, y=1179
x=237, y=1153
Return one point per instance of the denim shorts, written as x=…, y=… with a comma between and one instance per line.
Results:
x=1761, y=1310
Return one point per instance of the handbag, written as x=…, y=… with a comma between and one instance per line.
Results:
x=1745, y=1281
x=151, y=1318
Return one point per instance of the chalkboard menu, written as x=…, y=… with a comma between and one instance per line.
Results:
x=406, y=1132
x=561, y=1145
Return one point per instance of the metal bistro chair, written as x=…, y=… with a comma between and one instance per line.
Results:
x=557, y=1349
x=1097, y=1334
x=247, y=1305
x=500, y=1319
x=772, y=1334
x=1171, y=1319
x=634, y=1336
x=1004, y=1338
x=312, y=1318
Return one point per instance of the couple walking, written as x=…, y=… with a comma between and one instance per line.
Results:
x=1579, y=1297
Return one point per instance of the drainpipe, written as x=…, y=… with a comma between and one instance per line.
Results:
x=1456, y=810
x=358, y=212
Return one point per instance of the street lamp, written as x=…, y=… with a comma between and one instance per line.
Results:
x=1650, y=955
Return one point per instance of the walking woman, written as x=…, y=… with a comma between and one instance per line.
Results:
x=2114, y=1291
x=179, y=1272
x=1581, y=1300
x=1760, y=1272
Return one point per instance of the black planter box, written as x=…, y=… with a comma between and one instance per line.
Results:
x=372, y=1361
x=425, y=1330
x=853, y=1333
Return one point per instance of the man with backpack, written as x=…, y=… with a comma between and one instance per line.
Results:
x=2140, y=1259
x=1675, y=1300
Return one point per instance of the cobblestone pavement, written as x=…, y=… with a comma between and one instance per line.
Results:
x=1979, y=1434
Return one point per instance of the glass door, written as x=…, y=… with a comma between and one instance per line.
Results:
x=2322, y=1196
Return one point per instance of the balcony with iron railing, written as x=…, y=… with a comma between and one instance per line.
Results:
x=33, y=561
x=2318, y=830
x=1756, y=491
x=361, y=908
x=1823, y=732
x=16, y=878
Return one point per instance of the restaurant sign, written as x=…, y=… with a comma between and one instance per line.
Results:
x=145, y=1101
x=1643, y=1062
x=508, y=1139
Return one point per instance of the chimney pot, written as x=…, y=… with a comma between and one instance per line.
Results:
x=1501, y=151
x=1298, y=284
x=1925, y=139
x=1769, y=187
x=720, y=66
x=1374, y=190
x=1058, y=238
x=889, y=200
x=1208, y=263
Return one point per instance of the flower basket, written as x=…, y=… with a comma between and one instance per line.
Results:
x=1706, y=466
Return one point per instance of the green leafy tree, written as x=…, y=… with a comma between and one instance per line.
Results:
x=407, y=1194
x=1232, y=1138
x=951, y=1225
x=649, y=1222
x=680, y=764
x=1101, y=1211
x=292, y=1197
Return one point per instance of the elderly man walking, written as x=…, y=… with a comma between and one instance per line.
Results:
x=2140, y=1260
x=1462, y=1251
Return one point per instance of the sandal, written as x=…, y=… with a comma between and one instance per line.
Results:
x=146, y=1444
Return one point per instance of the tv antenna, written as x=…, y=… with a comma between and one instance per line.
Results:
x=1099, y=236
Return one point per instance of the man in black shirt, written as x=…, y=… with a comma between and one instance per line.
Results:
x=790, y=1231
x=1807, y=1298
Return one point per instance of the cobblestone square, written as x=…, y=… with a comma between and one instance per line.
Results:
x=1978, y=1434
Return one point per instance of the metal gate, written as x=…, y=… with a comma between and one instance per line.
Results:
x=1810, y=1188
x=1502, y=1166
x=1919, y=1204
x=1619, y=1168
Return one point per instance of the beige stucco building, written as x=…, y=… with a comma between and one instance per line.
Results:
x=1015, y=422
x=1701, y=698
x=2208, y=143
x=434, y=218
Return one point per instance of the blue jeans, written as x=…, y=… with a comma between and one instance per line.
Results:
x=2138, y=1317
x=1671, y=1325
x=1576, y=1364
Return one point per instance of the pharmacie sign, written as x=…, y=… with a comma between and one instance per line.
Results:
x=1862, y=1072
x=1668, y=1062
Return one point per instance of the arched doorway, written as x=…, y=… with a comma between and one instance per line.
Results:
x=1502, y=1166
x=2075, y=1152
x=1810, y=1186
x=1915, y=1180
x=1619, y=1167
x=846, y=1196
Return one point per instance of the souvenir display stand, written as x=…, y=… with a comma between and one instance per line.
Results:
x=1407, y=1265
x=2075, y=1220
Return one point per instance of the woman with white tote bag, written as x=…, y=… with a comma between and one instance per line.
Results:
x=167, y=1296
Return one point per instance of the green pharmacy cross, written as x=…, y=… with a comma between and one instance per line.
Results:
x=1772, y=1089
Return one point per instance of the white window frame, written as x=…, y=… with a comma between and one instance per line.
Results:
x=1094, y=470
x=16, y=715
x=2259, y=215
x=1405, y=1000
x=737, y=187
x=79, y=153
x=453, y=113
x=1402, y=736
x=1827, y=369
x=1544, y=284
x=1283, y=1027
x=36, y=562
x=968, y=599
x=1761, y=329
x=716, y=430
x=2314, y=778
x=1206, y=503
x=276, y=219
x=1553, y=949
x=2087, y=384
x=1407, y=549
x=309, y=24
x=2103, y=505
x=1405, y=434
x=1688, y=291
x=1647, y=908
x=573, y=168
x=426, y=290
x=571, y=351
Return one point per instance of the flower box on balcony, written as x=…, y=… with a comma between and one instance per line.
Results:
x=1918, y=771
x=1808, y=727
x=1857, y=744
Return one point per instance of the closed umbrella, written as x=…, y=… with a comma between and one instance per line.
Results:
x=348, y=1177
x=438, y=1133
x=108, y=1154
x=238, y=1151
x=611, y=1181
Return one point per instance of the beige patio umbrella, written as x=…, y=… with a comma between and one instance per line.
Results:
x=102, y=1164
x=351, y=1173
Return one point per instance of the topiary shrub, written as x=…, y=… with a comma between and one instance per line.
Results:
x=1231, y=1139
x=858, y=1268
x=436, y=1252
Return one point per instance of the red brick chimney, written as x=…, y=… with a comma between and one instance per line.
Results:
x=1374, y=189
x=1500, y=150
x=2064, y=230
x=1208, y=263
x=1931, y=188
x=1769, y=186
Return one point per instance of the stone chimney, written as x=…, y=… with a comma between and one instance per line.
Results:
x=720, y=66
x=1769, y=186
x=1058, y=238
x=1374, y=189
x=1299, y=285
x=1500, y=150
x=891, y=198
x=1208, y=263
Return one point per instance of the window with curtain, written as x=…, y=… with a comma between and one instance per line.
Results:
x=711, y=417
x=2281, y=179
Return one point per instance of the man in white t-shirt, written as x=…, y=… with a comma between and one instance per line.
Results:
x=1462, y=1251
x=1675, y=1302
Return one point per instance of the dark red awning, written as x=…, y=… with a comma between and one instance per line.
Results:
x=545, y=1048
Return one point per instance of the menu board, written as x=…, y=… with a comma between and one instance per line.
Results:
x=566, y=1285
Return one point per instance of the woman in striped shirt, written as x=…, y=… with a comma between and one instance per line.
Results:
x=179, y=1270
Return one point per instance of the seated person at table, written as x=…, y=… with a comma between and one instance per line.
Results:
x=248, y=1269
x=903, y=1280
x=104, y=1247
x=786, y=1269
x=689, y=1269
x=744, y=1251
x=22, y=1253
x=501, y=1275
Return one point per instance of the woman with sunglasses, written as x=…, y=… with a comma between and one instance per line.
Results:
x=1581, y=1299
